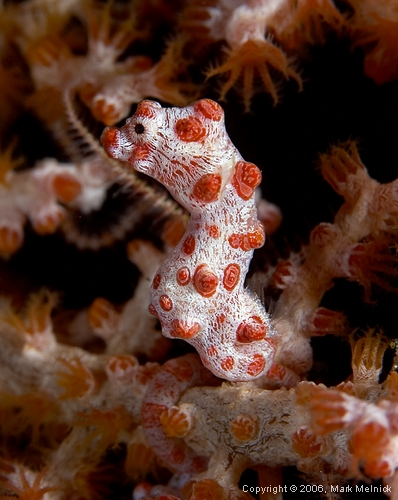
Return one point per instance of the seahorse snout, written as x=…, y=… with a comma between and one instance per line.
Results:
x=118, y=145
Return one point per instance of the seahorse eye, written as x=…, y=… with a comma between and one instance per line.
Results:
x=139, y=128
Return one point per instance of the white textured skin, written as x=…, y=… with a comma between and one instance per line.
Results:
x=179, y=165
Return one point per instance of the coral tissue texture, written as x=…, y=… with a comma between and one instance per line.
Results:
x=198, y=249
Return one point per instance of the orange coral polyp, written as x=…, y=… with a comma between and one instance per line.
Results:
x=244, y=427
x=49, y=223
x=39, y=312
x=66, y=187
x=121, y=367
x=306, y=443
x=46, y=51
x=102, y=314
x=105, y=112
x=207, y=489
x=325, y=321
x=77, y=382
x=10, y=241
x=29, y=490
x=248, y=58
x=369, y=438
x=175, y=422
x=377, y=469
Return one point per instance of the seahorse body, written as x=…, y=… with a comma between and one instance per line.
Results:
x=198, y=293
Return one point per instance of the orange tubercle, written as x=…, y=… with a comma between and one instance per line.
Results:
x=257, y=366
x=190, y=129
x=246, y=178
x=165, y=303
x=251, y=330
x=254, y=239
x=205, y=281
x=210, y=109
x=227, y=363
x=183, y=276
x=188, y=245
x=207, y=189
x=184, y=330
x=276, y=372
x=110, y=139
x=231, y=276
x=156, y=281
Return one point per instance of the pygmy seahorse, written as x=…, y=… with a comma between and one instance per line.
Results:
x=198, y=293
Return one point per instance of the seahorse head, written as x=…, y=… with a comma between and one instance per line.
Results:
x=185, y=149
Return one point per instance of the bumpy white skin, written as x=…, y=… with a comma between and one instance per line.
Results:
x=198, y=293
